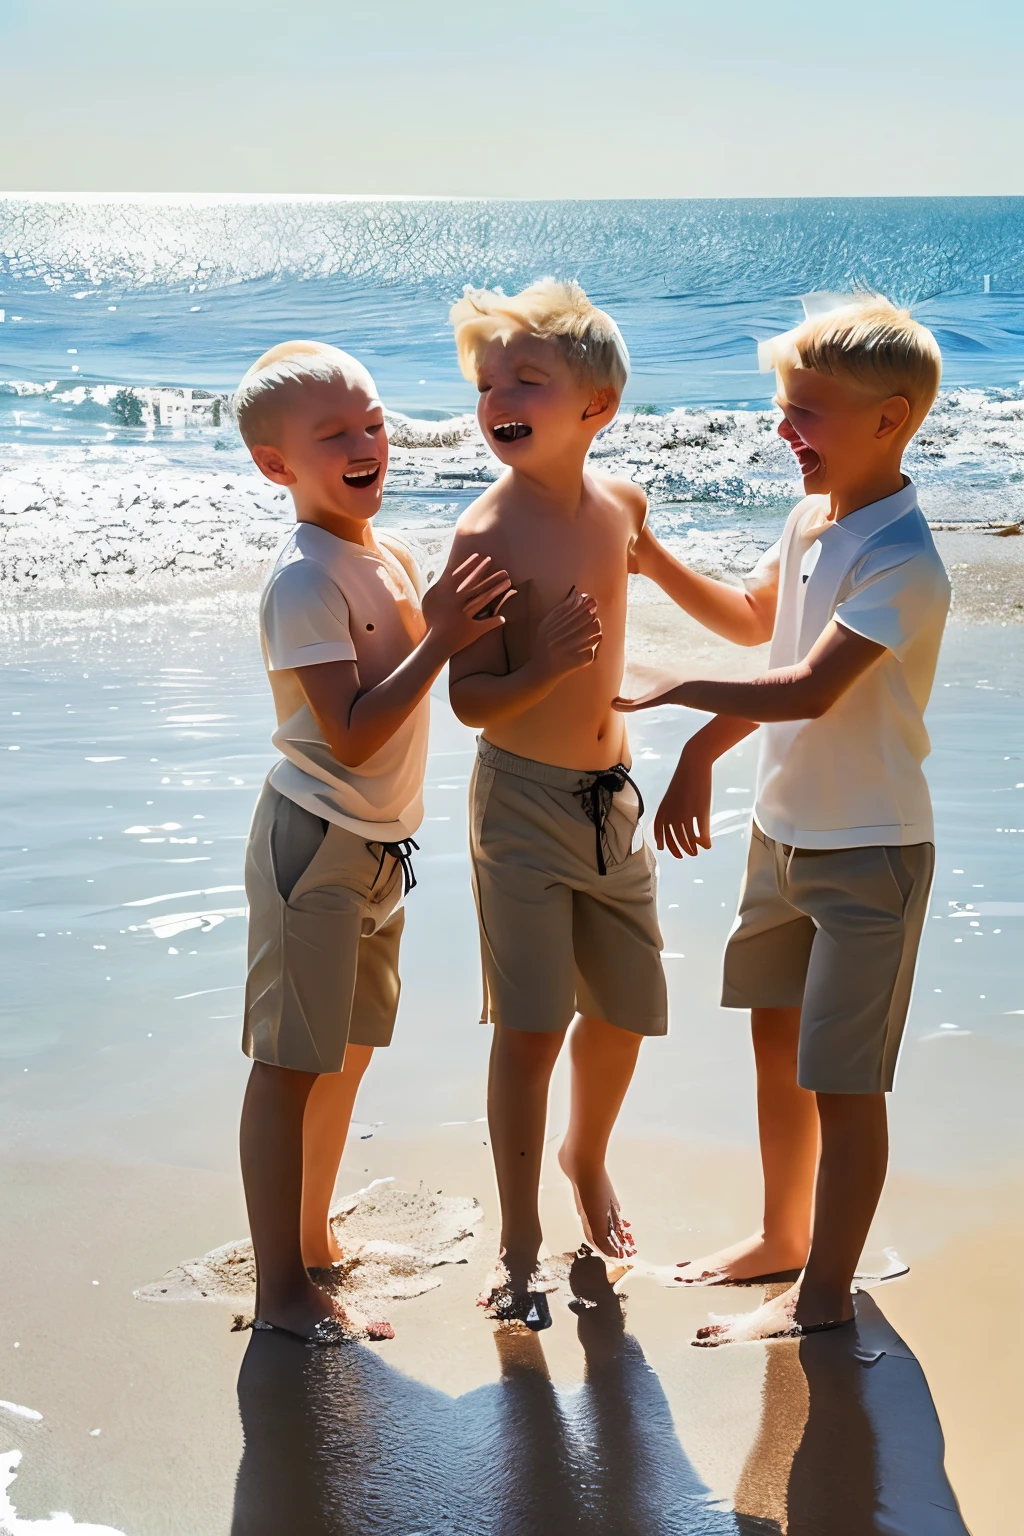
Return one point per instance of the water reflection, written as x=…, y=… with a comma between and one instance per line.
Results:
x=339, y=1443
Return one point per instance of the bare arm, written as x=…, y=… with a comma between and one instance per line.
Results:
x=744, y=616
x=803, y=692
x=356, y=723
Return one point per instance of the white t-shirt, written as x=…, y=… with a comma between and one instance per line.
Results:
x=853, y=778
x=322, y=591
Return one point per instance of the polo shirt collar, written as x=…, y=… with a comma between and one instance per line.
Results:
x=878, y=514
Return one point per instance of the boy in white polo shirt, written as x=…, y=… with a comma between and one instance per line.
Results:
x=823, y=951
x=351, y=655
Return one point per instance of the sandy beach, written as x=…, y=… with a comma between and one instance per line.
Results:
x=119, y=1091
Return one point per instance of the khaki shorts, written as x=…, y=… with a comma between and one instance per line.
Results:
x=835, y=933
x=555, y=935
x=323, y=939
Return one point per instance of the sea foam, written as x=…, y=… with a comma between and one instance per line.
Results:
x=98, y=516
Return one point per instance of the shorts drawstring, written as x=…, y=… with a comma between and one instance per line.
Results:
x=402, y=853
x=596, y=798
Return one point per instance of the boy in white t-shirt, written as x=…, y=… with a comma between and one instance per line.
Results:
x=351, y=656
x=854, y=598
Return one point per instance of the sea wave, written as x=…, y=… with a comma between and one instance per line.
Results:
x=109, y=516
x=914, y=248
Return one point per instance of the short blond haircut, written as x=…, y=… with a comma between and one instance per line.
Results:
x=877, y=345
x=273, y=378
x=588, y=339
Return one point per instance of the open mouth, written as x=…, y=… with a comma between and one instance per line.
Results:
x=359, y=478
x=509, y=431
x=806, y=457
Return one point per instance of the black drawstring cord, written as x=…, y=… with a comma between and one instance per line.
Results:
x=402, y=852
x=596, y=799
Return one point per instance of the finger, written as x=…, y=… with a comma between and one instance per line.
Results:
x=481, y=596
x=671, y=841
x=474, y=574
x=477, y=608
x=468, y=561
x=703, y=838
x=484, y=626
x=481, y=579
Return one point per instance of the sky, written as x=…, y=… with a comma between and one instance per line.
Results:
x=514, y=98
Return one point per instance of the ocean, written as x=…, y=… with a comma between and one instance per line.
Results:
x=183, y=294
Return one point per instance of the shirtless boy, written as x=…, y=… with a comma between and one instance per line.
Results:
x=854, y=598
x=564, y=884
x=351, y=656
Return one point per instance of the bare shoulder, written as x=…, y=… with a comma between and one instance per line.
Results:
x=630, y=499
x=480, y=527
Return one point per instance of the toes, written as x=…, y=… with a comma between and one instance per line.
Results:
x=380, y=1330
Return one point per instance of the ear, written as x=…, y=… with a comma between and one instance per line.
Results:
x=894, y=415
x=270, y=462
x=602, y=402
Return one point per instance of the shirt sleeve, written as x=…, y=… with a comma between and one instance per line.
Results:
x=766, y=571
x=305, y=618
x=892, y=604
x=406, y=558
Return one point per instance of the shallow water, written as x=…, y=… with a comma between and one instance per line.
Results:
x=135, y=746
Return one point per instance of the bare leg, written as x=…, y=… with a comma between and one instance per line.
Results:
x=271, y=1150
x=603, y=1061
x=787, y=1123
x=324, y=1132
x=517, y=1106
x=854, y=1157
x=854, y=1153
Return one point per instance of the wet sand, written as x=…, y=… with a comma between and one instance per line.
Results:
x=118, y=1118
x=675, y=1437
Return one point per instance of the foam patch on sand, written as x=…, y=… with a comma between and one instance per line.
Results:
x=394, y=1240
x=59, y=1524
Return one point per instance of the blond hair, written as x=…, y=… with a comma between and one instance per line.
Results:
x=877, y=345
x=264, y=389
x=588, y=339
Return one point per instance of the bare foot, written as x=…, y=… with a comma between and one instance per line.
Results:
x=754, y=1258
x=312, y=1315
x=783, y=1317
x=604, y=1226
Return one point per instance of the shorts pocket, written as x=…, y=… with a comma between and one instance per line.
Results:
x=296, y=837
x=480, y=793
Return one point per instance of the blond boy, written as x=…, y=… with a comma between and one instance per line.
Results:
x=351, y=655
x=854, y=598
x=564, y=883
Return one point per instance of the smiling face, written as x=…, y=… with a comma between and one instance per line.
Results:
x=533, y=407
x=839, y=431
x=331, y=450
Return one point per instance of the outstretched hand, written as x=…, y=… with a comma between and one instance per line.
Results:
x=465, y=602
x=649, y=688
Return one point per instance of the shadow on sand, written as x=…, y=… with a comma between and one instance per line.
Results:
x=339, y=1443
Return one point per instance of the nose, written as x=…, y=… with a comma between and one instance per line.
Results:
x=785, y=430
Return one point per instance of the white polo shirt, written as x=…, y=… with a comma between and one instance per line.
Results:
x=324, y=592
x=853, y=778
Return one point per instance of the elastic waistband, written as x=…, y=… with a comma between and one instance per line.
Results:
x=554, y=777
